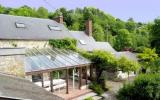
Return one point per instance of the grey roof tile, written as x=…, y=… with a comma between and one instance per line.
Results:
x=36, y=28
x=14, y=87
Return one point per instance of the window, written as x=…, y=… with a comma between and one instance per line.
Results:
x=56, y=28
x=82, y=42
x=20, y=25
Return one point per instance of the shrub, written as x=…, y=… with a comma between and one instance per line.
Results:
x=89, y=98
x=144, y=87
x=97, y=88
x=140, y=49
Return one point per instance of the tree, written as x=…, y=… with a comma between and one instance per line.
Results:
x=119, y=24
x=130, y=25
x=144, y=87
x=155, y=35
x=147, y=57
x=1, y=9
x=24, y=11
x=42, y=12
x=127, y=66
x=155, y=66
x=123, y=40
x=103, y=61
x=98, y=32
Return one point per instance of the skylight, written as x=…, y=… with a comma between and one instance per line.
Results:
x=82, y=42
x=20, y=25
x=56, y=28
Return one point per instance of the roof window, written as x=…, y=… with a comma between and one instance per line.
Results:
x=56, y=28
x=20, y=25
x=82, y=42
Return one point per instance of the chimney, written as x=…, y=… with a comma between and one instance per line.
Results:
x=89, y=27
x=59, y=19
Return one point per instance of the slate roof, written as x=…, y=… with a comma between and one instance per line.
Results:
x=89, y=40
x=91, y=44
x=20, y=89
x=106, y=46
x=36, y=28
x=127, y=54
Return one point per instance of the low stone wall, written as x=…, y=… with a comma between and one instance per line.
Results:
x=12, y=65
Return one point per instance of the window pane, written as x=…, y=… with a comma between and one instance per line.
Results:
x=82, y=42
x=56, y=28
x=20, y=25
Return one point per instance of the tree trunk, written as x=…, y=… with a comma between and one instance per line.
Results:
x=98, y=74
x=128, y=76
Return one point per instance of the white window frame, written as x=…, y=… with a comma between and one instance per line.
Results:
x=55, y=28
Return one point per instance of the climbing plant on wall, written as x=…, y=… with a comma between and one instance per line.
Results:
x=66, y=43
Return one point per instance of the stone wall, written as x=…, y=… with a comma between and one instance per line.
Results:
x=12, y=65
x=23, y=43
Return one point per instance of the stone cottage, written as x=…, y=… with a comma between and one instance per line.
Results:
x=19, y=33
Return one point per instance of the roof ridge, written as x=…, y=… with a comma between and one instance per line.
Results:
x=26, y=17
x=75, y=31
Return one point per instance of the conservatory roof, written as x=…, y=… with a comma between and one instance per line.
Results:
x=45, y=60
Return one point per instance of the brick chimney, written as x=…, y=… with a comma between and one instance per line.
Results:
x=59, y=19
x=89, y=27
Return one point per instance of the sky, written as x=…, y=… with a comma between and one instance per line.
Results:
x=140, y=10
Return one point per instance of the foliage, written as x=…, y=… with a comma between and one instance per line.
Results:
x=66, y=43
x=140, y=49
x=23, y=11
x=127, y=66
x=57, y=74
x=97, y=88
x=42, y=12
x=130, y=25
x=155, y=66
x=123, y=40
x=1, y=9
x=148, y=55
x=144, y=87
x=155, y=35
x=89, y=98
x=104, y=61
x=98, y=32
x=147, y=58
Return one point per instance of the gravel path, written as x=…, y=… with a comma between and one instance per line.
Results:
x=113, y=88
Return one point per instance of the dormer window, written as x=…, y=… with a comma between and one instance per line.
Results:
x=55, y=28
x=20, y=25
x=82, y=42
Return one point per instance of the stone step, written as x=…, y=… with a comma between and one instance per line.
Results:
x=90, y=94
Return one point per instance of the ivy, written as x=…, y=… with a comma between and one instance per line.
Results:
x=66, y=43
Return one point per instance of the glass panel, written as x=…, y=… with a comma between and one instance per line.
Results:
x=60, y=58
x=20, y=25
x=82, y=42
x=52, y=57
x=66, y=57
x=43, y=59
